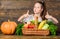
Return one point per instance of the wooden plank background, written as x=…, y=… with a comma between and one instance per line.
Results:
x=13, y=9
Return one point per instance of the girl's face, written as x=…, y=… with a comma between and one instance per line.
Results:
x=37, y=8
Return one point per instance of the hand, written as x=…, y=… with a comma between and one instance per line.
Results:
x=48, y=16
x=55, y=21
x=23, y=16
x=27, y=14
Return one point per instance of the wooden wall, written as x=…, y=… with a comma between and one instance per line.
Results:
x=13, y=9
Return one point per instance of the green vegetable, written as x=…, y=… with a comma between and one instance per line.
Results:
x=34, y=22
x=19, y=29
x=52, y=28
x=45, y=27
x=50, y=22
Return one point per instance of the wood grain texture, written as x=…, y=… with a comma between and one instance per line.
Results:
x=13, y=9
x=28, y=37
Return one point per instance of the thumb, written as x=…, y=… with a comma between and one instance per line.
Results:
x=28, y=12
x=47, y=13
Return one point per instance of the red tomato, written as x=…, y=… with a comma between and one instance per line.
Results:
x=31, y=26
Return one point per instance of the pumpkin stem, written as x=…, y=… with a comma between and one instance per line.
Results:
x=8, y=20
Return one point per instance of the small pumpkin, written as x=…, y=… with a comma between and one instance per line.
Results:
x=8, y=27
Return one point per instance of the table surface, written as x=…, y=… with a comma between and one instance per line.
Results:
x=27, y=37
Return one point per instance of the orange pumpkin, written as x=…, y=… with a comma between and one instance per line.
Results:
x=8, y=27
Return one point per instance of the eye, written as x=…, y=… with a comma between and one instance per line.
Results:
x=36, y=7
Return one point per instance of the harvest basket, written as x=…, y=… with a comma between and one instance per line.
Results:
x=35, y=30
x=27, y=31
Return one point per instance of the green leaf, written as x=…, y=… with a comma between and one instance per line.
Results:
x=19, y=32
x=19, y=29
x=52, y=27
x=20, y=26
x=34, y=22
x=50, y=22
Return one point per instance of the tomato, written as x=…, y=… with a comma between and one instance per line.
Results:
x=31, y=26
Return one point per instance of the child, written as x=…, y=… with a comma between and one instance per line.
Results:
x=40, y=11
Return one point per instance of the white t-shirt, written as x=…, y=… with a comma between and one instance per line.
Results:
x=31, y=17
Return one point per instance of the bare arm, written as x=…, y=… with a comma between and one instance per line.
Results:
x=23, y=16
x=55, y=21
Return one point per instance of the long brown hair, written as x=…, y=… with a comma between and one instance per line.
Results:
x=44, y=9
